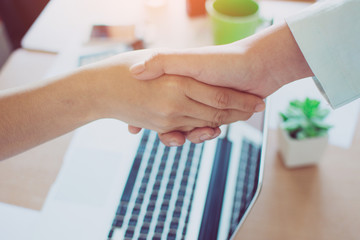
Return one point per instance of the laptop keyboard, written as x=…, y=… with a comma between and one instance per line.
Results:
x=246, y=183
x=157, y=198
x=158, y=195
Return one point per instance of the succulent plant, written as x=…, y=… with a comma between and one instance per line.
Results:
x=305, y=119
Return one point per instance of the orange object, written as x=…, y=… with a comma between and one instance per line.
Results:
x=195, y=7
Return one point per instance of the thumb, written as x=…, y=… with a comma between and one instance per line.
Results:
x=149, y=69
x=176, y=63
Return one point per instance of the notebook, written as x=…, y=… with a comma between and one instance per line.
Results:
x=115, y=185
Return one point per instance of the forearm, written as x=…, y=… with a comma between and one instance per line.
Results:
x=275, y=57
x=259, y=64
x=35, y=114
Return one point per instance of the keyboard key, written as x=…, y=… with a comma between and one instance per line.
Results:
x=186, y=171
x=153, y=196
x=148, y=218
x=148, y=169
x=179, y=203
x=164, y=207
x=144, y=229
x=162, y=216
x=142, y=189
x=157, y=185
x=136, y=211
x=174, y=224
x=133, y=221
x=186, y=185
x=145, y=180
x=139, y=199
x=170, y=185
x=129, y=233
x=177, y=213
x=117, y=223
x=182, y=192
x=159, y=228
x=156, y=237
x=111, y=233
x=171, y=236
x=151, y=206
x=167, y=196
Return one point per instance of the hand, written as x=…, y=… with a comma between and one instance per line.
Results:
x=169, y=103
x=259, y=64
x=217, y=65
x=227, y=66
x=176, y=138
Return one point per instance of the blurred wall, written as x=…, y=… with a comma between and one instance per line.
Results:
x=17, y=17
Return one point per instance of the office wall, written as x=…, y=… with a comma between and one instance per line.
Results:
x=4, y=45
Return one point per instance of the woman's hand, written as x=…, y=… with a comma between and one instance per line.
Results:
x=169, y=103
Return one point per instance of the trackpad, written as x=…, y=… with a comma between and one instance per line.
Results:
x=88, y=178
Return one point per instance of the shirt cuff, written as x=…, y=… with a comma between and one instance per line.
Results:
x=327, y=34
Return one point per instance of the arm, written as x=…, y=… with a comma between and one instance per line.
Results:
x=323, y=42
x=328, y=35
x=259, y=64
x=34, y=114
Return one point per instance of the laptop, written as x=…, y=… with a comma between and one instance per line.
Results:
x=114, y=185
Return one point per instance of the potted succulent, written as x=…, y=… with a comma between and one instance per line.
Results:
x=303, y=133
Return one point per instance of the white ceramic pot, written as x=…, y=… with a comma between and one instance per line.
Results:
x=300, y=153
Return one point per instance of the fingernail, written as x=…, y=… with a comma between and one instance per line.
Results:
x=205, y=137
x=260, y=107
x=216, y=134
x=174, y=144
x=137, y=68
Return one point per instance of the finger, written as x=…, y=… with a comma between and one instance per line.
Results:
x=200, y=115
x=166, y=63
x=199, y=135
x=215, y=119
x=223, y=98
x=172, y=139
x=133, y=129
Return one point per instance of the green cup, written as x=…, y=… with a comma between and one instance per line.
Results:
x=233, y=20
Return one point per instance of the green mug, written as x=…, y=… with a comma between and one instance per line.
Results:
x=233, y=20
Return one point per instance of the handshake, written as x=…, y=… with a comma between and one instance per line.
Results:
x=201, y=95
x=210, y=86
x=197, y=93
x=180, y=94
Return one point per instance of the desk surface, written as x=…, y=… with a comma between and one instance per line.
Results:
x=308, y=203
x=26, y=178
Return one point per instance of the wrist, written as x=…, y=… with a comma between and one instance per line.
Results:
x=276, y=59
x=88, y=94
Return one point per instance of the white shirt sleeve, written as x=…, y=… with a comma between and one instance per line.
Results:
x=328, y=34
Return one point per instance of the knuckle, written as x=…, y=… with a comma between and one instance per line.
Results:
x=163, y=126
x=222, y=99
x=247, y=105
x=159, y=56
x=156, y=57
x=169, y=111
x=168, y=121
x=220, y=118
